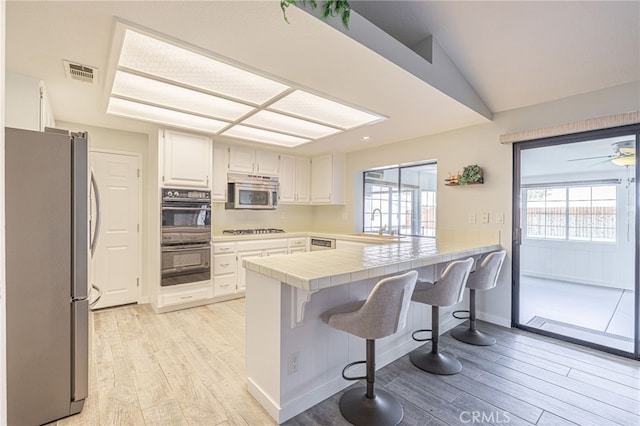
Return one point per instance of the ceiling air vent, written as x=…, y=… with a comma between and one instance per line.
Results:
x=82, y=73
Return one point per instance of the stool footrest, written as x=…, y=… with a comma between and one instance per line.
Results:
x=344, y=376
x=413, y=335
x=455, y=313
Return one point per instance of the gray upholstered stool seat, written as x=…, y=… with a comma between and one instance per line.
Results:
x=445, y=292
x=382, y=314
x=485, y=277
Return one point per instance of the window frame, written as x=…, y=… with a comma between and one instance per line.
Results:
x=395, y=214
x=567, y=225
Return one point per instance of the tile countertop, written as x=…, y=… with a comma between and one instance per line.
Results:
x=373, y=239
x=328, y=268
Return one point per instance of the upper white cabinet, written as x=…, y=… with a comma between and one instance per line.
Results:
x=220, y=169
x=243, y=159
x=294, y=180
x=186, y=159
x=27, y=104
x=328, y=179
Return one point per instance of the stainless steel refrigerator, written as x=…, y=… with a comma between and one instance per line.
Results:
x=47, y=271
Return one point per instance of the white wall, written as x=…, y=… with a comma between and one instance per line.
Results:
x=3, y=328
x=475, y=145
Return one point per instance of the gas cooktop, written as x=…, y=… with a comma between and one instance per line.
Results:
x=253, y=231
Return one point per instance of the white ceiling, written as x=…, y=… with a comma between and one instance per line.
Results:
x=513, y=53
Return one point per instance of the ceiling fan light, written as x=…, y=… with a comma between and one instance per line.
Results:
x=627, y=160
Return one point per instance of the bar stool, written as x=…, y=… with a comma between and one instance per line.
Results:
x=445, y=292
x=484, y=277
x=382, y=314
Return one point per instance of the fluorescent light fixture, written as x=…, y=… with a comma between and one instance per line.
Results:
x=307, y=105
x=130, y=109
x=287, y=124
x=159, y=81
x=175, y=97
x=266, y=136
x=161, y=59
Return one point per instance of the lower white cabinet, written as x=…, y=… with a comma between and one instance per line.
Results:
x=242, y=272
x=185, y=294
x=298, y=245
x=224, y=285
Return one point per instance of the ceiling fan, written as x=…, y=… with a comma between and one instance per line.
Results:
x=624, y=154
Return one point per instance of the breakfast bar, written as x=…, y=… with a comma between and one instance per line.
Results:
x=294, y=360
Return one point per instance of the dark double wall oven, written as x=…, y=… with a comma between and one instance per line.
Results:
x=186, y=236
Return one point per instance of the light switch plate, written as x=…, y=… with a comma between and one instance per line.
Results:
x=472, y=218
x=500, y=218
x=484, y=218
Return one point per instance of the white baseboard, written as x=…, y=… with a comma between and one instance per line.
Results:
x=494, y=319
x=144, y=300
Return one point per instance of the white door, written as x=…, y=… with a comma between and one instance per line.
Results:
x=115, y=265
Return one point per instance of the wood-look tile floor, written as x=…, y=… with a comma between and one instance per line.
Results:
x=187, y=368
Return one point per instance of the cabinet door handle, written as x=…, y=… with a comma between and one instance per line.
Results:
x=223, y=265
x=186, y=297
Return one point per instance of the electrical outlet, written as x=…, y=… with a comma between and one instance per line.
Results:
x=500, y=218
x=484, y=217
x=293, y=363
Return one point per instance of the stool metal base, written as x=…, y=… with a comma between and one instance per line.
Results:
x=437, y=363
x=383, y=410
x=472, y=337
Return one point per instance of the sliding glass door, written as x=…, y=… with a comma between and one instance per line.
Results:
x=576, y=238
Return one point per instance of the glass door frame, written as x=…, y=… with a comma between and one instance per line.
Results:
x=516, y=231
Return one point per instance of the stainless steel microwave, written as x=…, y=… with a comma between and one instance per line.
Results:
x=252, y=192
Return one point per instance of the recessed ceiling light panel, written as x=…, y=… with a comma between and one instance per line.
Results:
x=287, y=124
x=154, y=114
x=160, y=81
x=176, y=97
x=307, y=105
x=161, y=59
x=259, y=135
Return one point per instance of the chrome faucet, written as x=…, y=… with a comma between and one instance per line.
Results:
x=373, y=215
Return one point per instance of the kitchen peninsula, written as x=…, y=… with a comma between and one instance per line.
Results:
x=294, y=360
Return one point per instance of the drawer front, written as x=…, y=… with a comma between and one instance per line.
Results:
x=224, y=248
x=297, y=242
x=224, y=285
x=186, y=296
x=224, y=264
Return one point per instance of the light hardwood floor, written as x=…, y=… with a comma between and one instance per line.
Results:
x=187, y=368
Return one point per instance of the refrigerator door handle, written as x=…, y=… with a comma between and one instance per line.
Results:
x=80, y=350
x=96, y=191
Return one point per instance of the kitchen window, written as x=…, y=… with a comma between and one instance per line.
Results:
x=401, y=199
x=578, y=213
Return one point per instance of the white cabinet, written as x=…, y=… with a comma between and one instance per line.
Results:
x=328, y=179
x=26, y=103
x=294, y=180
x=266, y=162
x=220, y=169
x=297, y=245
x=242, y=272
x=243, y=159
x=186, y=159
x=186, y=295
x=224, y=269
x=257, y=248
